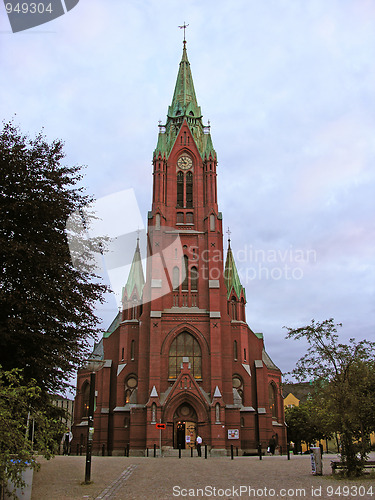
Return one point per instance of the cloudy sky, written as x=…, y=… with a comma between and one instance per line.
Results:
x=288, y=87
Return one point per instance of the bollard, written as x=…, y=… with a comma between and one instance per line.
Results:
x=288, y=451
x=205, y=451
x=191, y=451
x=316, y=461
x=281, y=451
x=154, y=450
x=77, y=449
x=260, y=451
x=179, y=451
x=80, y=450
x=103, y=450
x=231, y=451
x=128, y=449
x=147, y=452
x=236, y=451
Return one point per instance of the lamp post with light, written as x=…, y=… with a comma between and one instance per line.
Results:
x=93, y=365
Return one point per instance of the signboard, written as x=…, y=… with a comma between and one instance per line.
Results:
x=233, y=434
x=161, y=426
x=188, y=439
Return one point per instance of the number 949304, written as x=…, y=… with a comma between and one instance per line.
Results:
x=28, y=8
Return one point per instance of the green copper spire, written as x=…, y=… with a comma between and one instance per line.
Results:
x=184, y=102
x=136, y=278
x=231, y=278
x=184, y=106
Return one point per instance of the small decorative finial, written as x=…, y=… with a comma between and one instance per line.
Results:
x=229, y=233
x=184, y=26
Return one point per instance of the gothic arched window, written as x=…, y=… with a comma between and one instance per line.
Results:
x=85, y=399
x=235, y=350
x=217, y=413
x=185, y=269
x=176, y=278
x=212, y=222
x=194, y=278
x=272, y=397
x=153, y=412
x=180, y=189
x=157, y=222
x=233, y=308
x=185, y=345
x=189, y=190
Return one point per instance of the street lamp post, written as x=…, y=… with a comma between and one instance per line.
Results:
x=92, y=365
x=90, y=428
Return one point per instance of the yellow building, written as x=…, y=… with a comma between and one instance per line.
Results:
x=291, y=401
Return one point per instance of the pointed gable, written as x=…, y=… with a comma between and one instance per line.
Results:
x=184, y=385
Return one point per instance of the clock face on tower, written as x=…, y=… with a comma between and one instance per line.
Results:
x=184, y=162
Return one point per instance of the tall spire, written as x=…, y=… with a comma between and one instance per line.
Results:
x=184, y=107
x=184, y=102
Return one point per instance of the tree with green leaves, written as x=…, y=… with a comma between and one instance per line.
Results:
x=28, y=423
x=47, y=304
x=306, y=423
x=343, y=376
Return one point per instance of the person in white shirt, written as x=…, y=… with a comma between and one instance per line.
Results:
x=199, y=445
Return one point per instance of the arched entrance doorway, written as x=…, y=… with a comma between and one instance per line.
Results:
x=184, y=426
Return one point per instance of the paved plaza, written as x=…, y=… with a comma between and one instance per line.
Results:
x=168, y=478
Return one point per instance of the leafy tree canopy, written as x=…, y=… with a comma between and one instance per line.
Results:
x=344, y=379
x=20, y=404
x=47, y=318
x=306, y=422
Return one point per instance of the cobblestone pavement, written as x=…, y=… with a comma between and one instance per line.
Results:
x=168, y=478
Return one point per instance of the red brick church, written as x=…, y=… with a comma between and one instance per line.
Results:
x=180, y=352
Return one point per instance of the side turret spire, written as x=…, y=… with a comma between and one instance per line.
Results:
x=136, y=278
x=231, y=277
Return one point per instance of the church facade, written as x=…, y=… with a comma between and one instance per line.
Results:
x=180, y=352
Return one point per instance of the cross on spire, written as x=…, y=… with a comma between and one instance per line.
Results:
x=184, y=26
x=229, y=233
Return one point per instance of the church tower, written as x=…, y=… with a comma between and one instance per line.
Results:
x=180, y=352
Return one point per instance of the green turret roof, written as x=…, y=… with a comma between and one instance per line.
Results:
x=231, y=278
x=184, y=106
x=136, y=278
